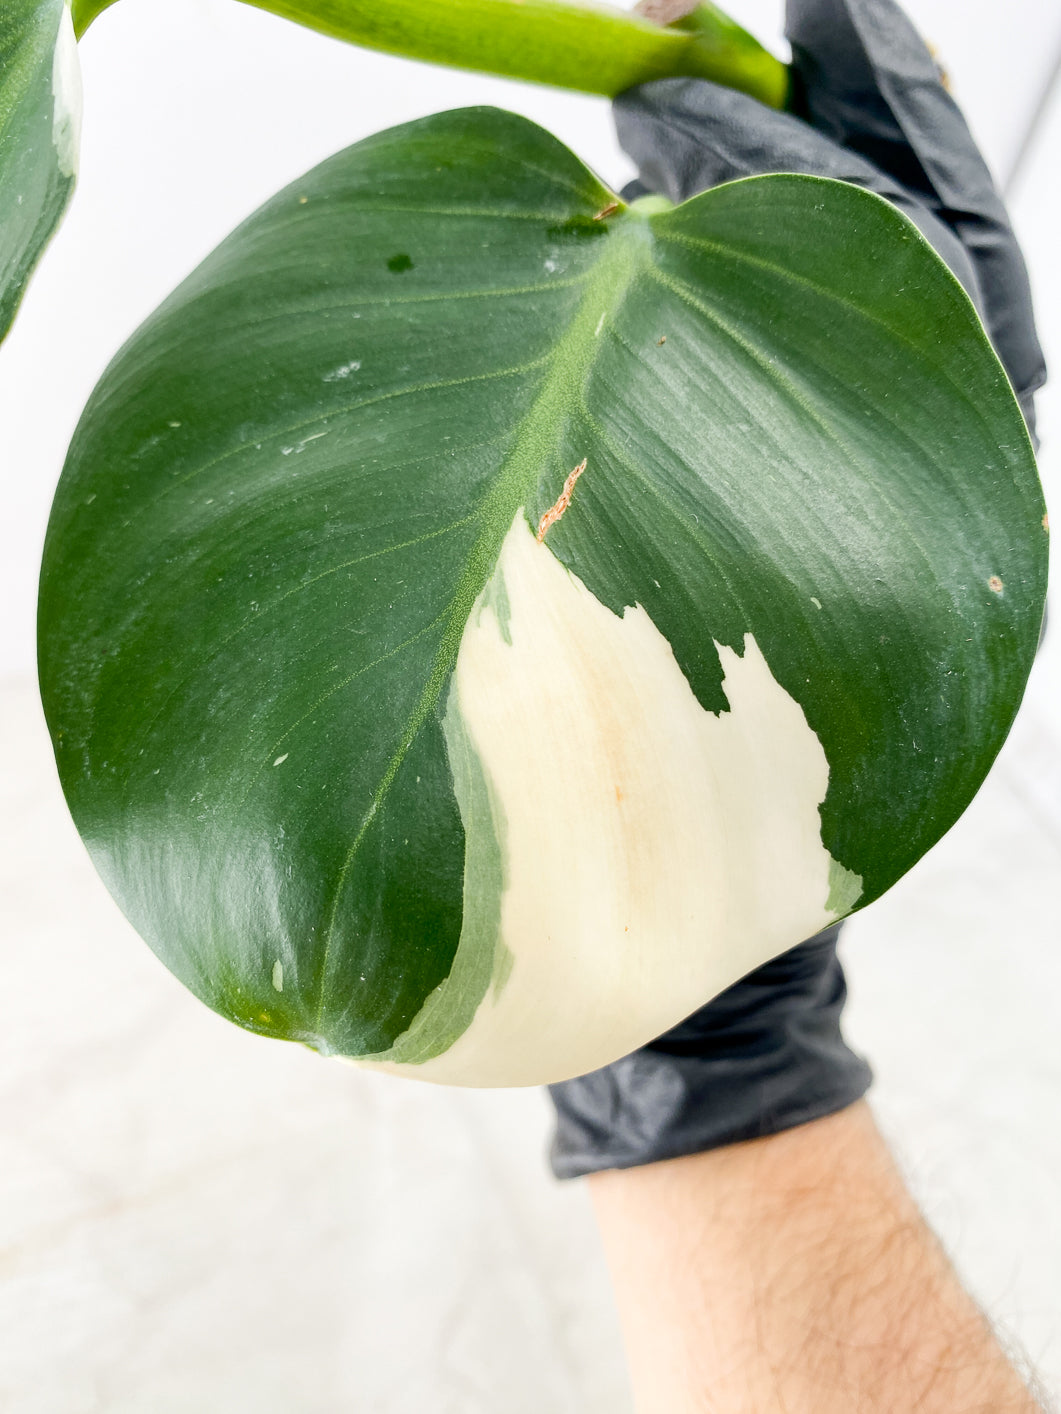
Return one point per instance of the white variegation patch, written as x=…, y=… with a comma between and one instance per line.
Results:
x=66, y=91
x=653, y=852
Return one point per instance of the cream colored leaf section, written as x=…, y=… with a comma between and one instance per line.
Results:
x=66, y=93
x=654, y=852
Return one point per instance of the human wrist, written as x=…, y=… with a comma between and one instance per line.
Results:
x=794, y=1273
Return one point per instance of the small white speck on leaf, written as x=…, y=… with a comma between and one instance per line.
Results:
x=301, y=446
x=172, y=424
x=816, y=602
x=600, y=325
x=278, y=975
x=343, y=371
x=281, y=759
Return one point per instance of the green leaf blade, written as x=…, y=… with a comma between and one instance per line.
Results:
x=868, y=508
x=372, y=768
x=40, y=118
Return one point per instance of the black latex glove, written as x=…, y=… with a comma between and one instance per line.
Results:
x=868, y=107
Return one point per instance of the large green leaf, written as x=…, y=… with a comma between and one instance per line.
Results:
x=364, y=757
x=40, y=122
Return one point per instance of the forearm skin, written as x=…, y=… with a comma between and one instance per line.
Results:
x=794, y=1275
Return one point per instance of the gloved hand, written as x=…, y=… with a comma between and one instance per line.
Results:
x=868, y=106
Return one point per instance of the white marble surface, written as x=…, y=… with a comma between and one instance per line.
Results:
x=194, y=1219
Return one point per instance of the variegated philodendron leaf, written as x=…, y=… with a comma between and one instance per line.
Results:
x=40, y=127
x=480, y=621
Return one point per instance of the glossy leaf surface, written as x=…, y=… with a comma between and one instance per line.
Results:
x=40, y=123
x=480, y=621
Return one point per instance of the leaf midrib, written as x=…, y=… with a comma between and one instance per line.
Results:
x=624, y=255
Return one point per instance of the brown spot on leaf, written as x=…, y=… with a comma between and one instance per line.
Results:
x=560, y=505
x=995, y=584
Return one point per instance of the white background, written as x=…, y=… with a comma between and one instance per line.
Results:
x=194, y=1219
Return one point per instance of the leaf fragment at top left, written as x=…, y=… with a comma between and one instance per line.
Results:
x=40, y=130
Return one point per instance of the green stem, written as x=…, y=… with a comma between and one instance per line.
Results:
x=559, y=42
